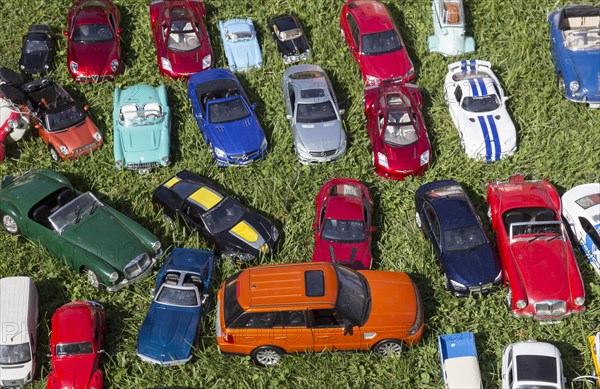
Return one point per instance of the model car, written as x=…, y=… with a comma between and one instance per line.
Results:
x=37, y=50
x=171, y=326
x=538, y=263
x=477, y=106
x=314, y=116
x=240, y=44
x=375, y=42
x=449, y=220
x=289, y=38
x=226, y=118
x=77, y=345
x=594, y=341
x=399, y=142
x=15, y=109
x=458, y=357
x=180, y=37
x=581, y=209
x=316, y=307
x=343, y=224
x=142, y=126
x=93, y=47
x=236, y=230
x=532, y=364
x=449, y=38
x=575, y=50
x=90, y=237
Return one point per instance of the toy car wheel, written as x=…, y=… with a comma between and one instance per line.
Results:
x=169, y=220
x=388, y=347
x=267, y=355
x=54, y=154
x=509, y=298
x=418, y=219
x=93, y=279
x=489, y=213
x=562, y=87
x=10, y=225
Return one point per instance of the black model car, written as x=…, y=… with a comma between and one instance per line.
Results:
x=290, y=39
x=37, y=50
x=237, y=231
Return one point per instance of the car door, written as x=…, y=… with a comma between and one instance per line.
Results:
x=352, y=35
x=589, y=240
x=48, y=238
x=292, y=332
x=433, y=227
x=331, y=331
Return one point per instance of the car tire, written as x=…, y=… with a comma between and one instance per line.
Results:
x=9, y=224
x=418, y=220
x=93, y=279
x=562, y=87
x=388, y=347
x=54, y=154
x=169, y=220
x=267, y=356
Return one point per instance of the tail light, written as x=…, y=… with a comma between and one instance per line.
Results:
x=228, y=338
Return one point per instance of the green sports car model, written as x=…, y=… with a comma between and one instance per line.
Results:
x=89, y=236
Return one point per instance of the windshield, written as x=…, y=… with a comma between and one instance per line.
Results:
x=239, y=36
x=67, y=349
x=133, y=116
x=315, y=113
x=353, y=295
x=464, y=238
x=68, y=117
x=399, y=130
x=343, y=231
x=381, y=43
x=35, y=46
x=92, y=33
x=227, y=111
x=584, y=39
x=14, y=354
x=182, y=37
x=480, y=103
x=72, y=212
x=177, y=296
x=223, y=216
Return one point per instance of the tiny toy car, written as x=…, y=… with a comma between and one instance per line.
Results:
x=316, y=307
x=581, y=209
x=536, y=254
x=532, y=364
x=240, y=44
x=458, y=357
x=314, y=115
x=180, y=37
x=448, y=36
x=14, y=109
x=477, y=106
x=142, y=126
x=343, y=224
x=290, y=38
x=399, y=142
x=236, y=230
x=38, y=50
x=594, y=341
x=450, y=222
x=90, y=237
x=375, y=42
x=171, y=326
x=77, y=345
x=226, y=118
x=575, y=50
x=93, y=47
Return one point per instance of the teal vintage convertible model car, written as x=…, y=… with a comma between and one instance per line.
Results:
x=142, y=125
x=89, y=236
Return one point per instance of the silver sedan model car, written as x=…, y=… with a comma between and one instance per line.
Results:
x=314, y=116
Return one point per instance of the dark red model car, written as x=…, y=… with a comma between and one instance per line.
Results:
x=375, y=42
x=537, y=258
x=76, y=342
x=343, y=224
x=180, y=37
x=397, y=130
x=93, y=49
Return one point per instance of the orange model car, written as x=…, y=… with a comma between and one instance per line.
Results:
x=267, y=311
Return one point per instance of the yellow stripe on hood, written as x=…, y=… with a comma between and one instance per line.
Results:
x=172, y=182
x=245, y=231
x=206, y=198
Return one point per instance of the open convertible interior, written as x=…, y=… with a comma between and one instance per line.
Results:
x=538, y=220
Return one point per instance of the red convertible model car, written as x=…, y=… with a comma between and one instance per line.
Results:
x=343, y=225
x=93, y=49
x=78, y=330
x=375, y=42
x=535, y=251
x=180, y=37
x=397, y=130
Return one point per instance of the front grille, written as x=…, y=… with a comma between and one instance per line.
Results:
x=245, y=157
x=140, y=264
x=480, y=288
x=86, y=147
x=13, y=383
x=95, y=78
x=142, y=165
x=551, y=308
x=326, y=153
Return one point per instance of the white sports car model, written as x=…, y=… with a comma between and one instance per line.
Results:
x=581, y=209
x=532, y=364
x=477, y=106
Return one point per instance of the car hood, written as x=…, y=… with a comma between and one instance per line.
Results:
x=320, y=136
x=94, y=58
x=293, y=46
x=488, y=135
x=187, y=61
x=452, y=40
x=245, y=54
x=586, y=65
x=140, y=138
x=404, y=157
x=239, y=137
x=35, y=61
x=74, y=371
x=248, y=235
x=393, y=301
x=384, y=66
x=75, y=137
x=472, y=268
x=355, y=255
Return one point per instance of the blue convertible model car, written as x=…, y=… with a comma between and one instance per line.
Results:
x=448, y=219
x=226, y=117
x=171, y=326
x=240, y=44
x=575, y=48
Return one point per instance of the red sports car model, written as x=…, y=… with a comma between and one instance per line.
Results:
x=93, y=49
x=536, y=254
x=76, y=342
x=397, y=130
x=180, y=37
x=343, y=224
x=375, y=42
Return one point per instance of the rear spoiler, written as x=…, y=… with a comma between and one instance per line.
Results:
x=469, y=65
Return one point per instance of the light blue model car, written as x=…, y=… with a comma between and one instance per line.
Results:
x=142, y=126
x=449, y=29
x=240, y=44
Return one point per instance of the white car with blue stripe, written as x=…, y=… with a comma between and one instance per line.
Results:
x=581, y=209
x=477, y=105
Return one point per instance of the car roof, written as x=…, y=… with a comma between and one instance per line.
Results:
x=15, y=307
x=73, y=322
x=477, y=86
x=344, y=208
x=237, y=25
x=454, y=212
x=371, y=16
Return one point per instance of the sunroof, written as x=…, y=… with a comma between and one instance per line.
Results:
x=314, y=283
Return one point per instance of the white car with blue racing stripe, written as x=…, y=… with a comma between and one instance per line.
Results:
x=476, y=102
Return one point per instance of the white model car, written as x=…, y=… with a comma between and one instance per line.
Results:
x=532, y=364
x=477, y=106
x=581, y=209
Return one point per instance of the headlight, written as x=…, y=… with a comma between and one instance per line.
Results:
x=98, y=137
x=410, y=73
x=264, y=144
x=343, y=145
x=219, y=153
x=166, y=64
x=245, y=256
x=165, y=160
x=264, y=248
x=579, y=301
x=119, y=164
x=156, y=246
x=372, y=80
x=274, y=233
x=114, y=65
x=22, y=66
x=383, y=161
x=457, y=285
x=574, y=86
x=114, y=276
x=521, y=304
x=206, y=61
x=301, y=149
x=74, y=67
x=425, y=158
x=64, y=150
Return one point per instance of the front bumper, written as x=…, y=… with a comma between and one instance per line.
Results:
x=243, y=160
x=173, y=362
x=139, y=278
x=400, y=174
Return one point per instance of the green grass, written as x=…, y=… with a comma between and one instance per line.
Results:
x=558, y=140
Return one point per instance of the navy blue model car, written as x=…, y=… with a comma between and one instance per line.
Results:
x=448, y=219
x=171, y=326
x=226, y=117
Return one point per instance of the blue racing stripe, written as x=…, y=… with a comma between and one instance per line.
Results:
x=494, y=129
x=473, y=68
x=486, y=139
x=482, y=87
x=473, y=87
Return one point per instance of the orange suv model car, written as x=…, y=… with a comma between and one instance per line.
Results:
x=267, y=311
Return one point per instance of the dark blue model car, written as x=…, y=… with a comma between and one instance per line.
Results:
x=171, y=326
x=448, y=219
x=575, y=48
x=226, y=117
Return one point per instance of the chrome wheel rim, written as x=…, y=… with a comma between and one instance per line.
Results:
x=390, y=348
x=54, y=154
x=268, y=357
x=9, y=224
x=93, y=279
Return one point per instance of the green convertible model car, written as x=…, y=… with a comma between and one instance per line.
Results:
x=91, y=237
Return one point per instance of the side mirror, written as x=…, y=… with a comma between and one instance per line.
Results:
x=354, y=49
x=66, y=33
x=38, y=126
x=342, y=111
x=505, y=98
x=314, y=226
x=288, y=117
x=348, y=329
x=119, y=31
x=49, y=355
x=253, y=106
x=86, y=107
x=372, y=229
x=101, y=351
